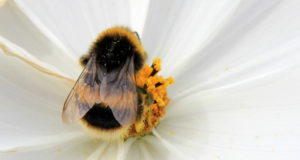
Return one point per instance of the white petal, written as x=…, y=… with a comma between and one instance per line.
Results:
x=138, y=14
x=148, y=148
x=280, y=58
x=27, y=32
x=76, y=149
x=77, y=23
x=257, y=40
x=31, y=102
x=97, y=153
x=107, y=150
x=112, y=150
x=172, y=148
x=15, y=51
x=42, y=142
x=174, y=30
x=255, y=119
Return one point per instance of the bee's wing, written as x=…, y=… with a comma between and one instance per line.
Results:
x=118, y=90
x=82, y=96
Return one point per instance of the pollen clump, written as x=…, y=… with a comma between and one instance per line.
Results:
x=156, y=85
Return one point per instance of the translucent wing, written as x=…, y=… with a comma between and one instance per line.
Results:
x=116, y=89
x=83, y=94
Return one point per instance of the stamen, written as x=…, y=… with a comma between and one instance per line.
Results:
x=156, y=86
x=155, y=66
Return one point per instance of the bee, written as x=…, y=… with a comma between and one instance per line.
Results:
x=105, y=98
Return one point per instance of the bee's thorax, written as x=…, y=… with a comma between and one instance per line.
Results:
x=112, y=51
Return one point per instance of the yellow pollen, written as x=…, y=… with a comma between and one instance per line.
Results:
x=172, y=132
x=95, y=141
x=59, y=150
x=156, y=85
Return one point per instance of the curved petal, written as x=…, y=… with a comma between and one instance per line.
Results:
x=31, y=102
x=27, y=32
x=240, y=69
x=258, y=39
x=254, y=119
x=111, y=150
x=76, y=149
x=174, y=30
x=149, y=148
x=77, y=23
x=15, y=51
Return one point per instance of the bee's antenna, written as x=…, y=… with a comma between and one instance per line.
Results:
x=137, y=35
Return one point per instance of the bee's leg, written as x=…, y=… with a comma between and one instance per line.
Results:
x=141, y=93
x=146, y=96
x=145, y=101
x=149, y=99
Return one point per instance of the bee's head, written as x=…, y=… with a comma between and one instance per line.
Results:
x=115, y=45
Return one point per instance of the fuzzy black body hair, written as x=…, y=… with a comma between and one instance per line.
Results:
x=101, y=116
x=112, y=51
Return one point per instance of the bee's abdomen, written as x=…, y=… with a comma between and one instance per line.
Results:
x=101, y=116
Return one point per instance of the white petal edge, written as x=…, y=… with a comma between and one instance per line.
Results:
x=254, y=33
x=25, y=30
x=85, y=19
x=172, y=148
x=238, y=20
x=278, y=59
x=174, y=30
x=148, y=148
x=112, y=150
x=11, y=49
x=31, y=101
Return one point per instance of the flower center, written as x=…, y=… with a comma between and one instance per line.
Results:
x=154, y=100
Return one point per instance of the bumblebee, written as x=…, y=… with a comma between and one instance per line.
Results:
x=105, y=98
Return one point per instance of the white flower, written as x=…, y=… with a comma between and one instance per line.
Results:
x=236, y=66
